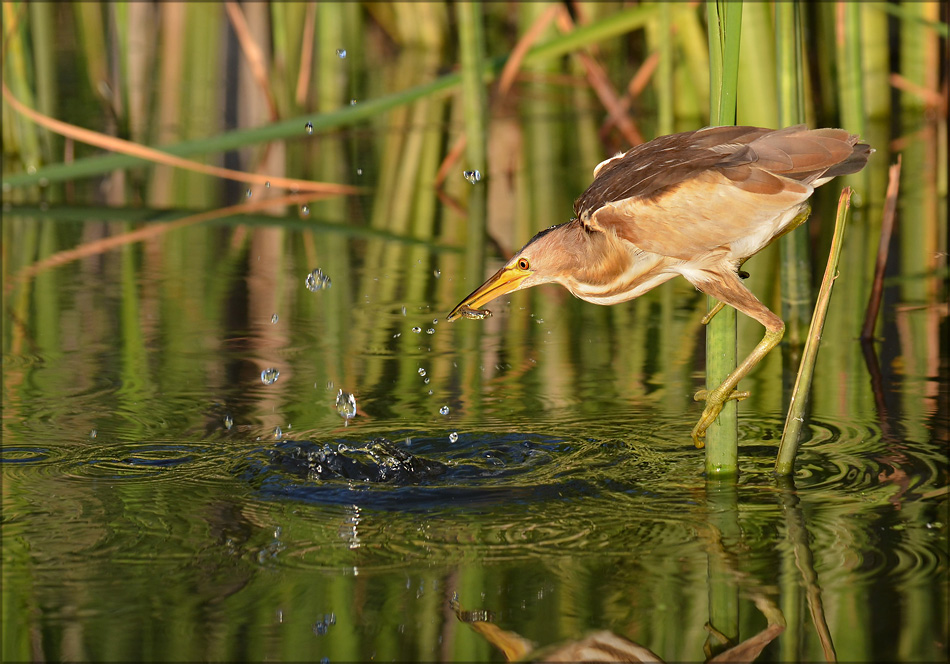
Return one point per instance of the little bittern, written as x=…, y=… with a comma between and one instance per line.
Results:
x=696, y=204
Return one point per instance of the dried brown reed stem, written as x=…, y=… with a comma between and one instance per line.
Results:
x=887, y=228
x=255, y=56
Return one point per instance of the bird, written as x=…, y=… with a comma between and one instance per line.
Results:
x=695, y=204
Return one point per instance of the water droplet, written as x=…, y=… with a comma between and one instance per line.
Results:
x=453, y=437
x=228, y=421
x=267, y=185
x=317, y=280
x=278, y=434
x=397, y=335
x=430, y=331
x=437, y=273
x=417, y=330
x=269, y=376
x=329, y=384
x=403, y=310
x=472, y=176
x=422, y=372
x=359, y=171
x=304, y=211
x=31, y=169
x=341, y=53
x=352, y=102
x=346, y=405
x=444, y=410
x=248, y=193
x=426, y=381
x=435, y=321
x=309, y=127
x=93, y=433
x=274, y=318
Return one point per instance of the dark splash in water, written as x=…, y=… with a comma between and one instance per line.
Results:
x=379, y=462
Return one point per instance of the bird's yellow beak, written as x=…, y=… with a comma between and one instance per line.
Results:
x=507, y=279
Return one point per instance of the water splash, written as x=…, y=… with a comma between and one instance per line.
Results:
x=317, y=280
x=346, y=405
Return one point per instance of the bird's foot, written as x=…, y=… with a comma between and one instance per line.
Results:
x=714, y=404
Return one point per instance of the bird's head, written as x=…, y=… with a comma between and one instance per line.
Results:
x=549, y=257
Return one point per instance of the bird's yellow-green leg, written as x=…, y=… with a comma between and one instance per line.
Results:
x=726, y=286
x=727, y=390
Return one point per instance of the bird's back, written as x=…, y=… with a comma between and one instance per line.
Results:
x=754, y=159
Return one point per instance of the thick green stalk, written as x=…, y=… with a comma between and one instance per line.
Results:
x=664, y=77
x=851, y=80
x=722, y=437
x=785, y=464
x=475, y=103
x=795, y=267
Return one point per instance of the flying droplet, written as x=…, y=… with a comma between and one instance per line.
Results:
x=346, y=405
x=274, y=318
x=430, y=331
x=329, y=384
x=444, y=410
x=269, y=376
x=437, y=273
x=93, y=433
x=309, y=127
x=341, y=53
x=248, y=193
x=228, y=421
x=453, y=437
x=304, y=211
x=422, y=372
x=403, y=310
x=352, y=102
x=472, y=176
x=278, y=434
x=417, y=330
x=317, y=280
x=359, y=171
x=267, y=185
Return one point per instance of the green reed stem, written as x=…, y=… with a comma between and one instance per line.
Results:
x=722, y=437
x=475, y=103
x=785, y=463
x=793, y=247
x=850, y=76
x=664, y=73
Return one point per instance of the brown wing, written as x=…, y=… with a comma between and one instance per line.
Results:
x=739, y=180
x=648, y=169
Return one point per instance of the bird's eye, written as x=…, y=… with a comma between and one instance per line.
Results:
x=523, y=264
